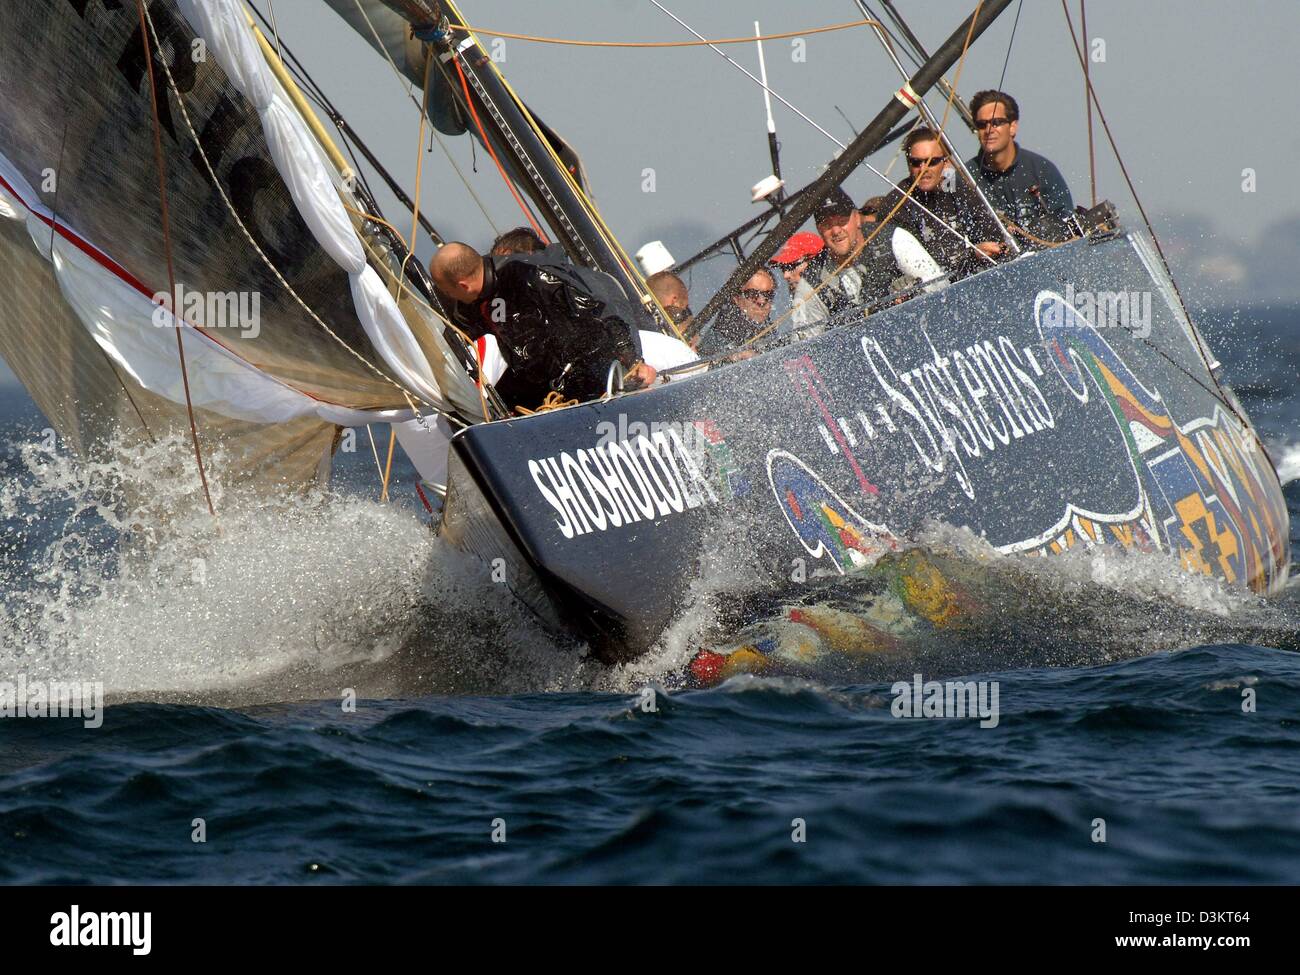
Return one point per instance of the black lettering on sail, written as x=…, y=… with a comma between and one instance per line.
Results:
x=218, y=131
x=80, y=6
x=174, y=34
x=251, y=180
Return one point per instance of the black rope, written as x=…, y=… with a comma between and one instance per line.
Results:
x=1020, y=6
x=895, y=40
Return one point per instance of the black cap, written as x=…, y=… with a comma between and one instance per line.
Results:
x=836, y=203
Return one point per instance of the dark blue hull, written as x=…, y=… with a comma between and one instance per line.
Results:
x=1058, y=401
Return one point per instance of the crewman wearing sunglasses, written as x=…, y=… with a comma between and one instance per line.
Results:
x=942, y=211
x=743, y=318
x=1023, y=185
x=850, y=272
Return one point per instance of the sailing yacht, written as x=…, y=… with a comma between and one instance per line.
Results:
x=176, y=153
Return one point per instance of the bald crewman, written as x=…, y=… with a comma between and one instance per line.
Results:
x=559, y=327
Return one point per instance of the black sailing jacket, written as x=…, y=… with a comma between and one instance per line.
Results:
x=558, y=326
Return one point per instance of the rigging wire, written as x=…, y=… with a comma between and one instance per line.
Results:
x=469, y=102
x=1087, y=98
x=702, y=42
x=379, y=468
x=895, y=42
x=274, y=29
x=919, y=54
x=532, y=212
x=1014, y=24
x=1132, y=189
x=167, y=245
x=749, y=74
x=415, y=207
x=1217, y=391
x=388, y=467
x=956, y=79
x=433, y=130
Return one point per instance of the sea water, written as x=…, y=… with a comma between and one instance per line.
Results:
x=320, y=691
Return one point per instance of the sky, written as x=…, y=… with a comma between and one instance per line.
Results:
x=1188, y=87
x=1193, y=92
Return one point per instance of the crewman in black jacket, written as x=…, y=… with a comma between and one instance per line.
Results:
x=946, y=197
x=559, y=327
x=848, y=273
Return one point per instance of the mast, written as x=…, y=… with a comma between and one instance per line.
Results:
x=862, y=146
x=523, y=148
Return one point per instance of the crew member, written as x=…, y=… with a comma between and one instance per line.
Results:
x=948, y=211
x=870, y=211
x=670, y=291
x=1025, y=186
x=806, y=308
x=847, y=274
x=558, y=327
x=743, y=318
x=521, y=240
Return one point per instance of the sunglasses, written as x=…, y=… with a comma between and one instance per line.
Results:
x=915, y=161
x=983, y=124
x=757, y=294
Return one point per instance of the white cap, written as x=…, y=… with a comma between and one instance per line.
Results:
x=654, y=257
x=765, y=187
